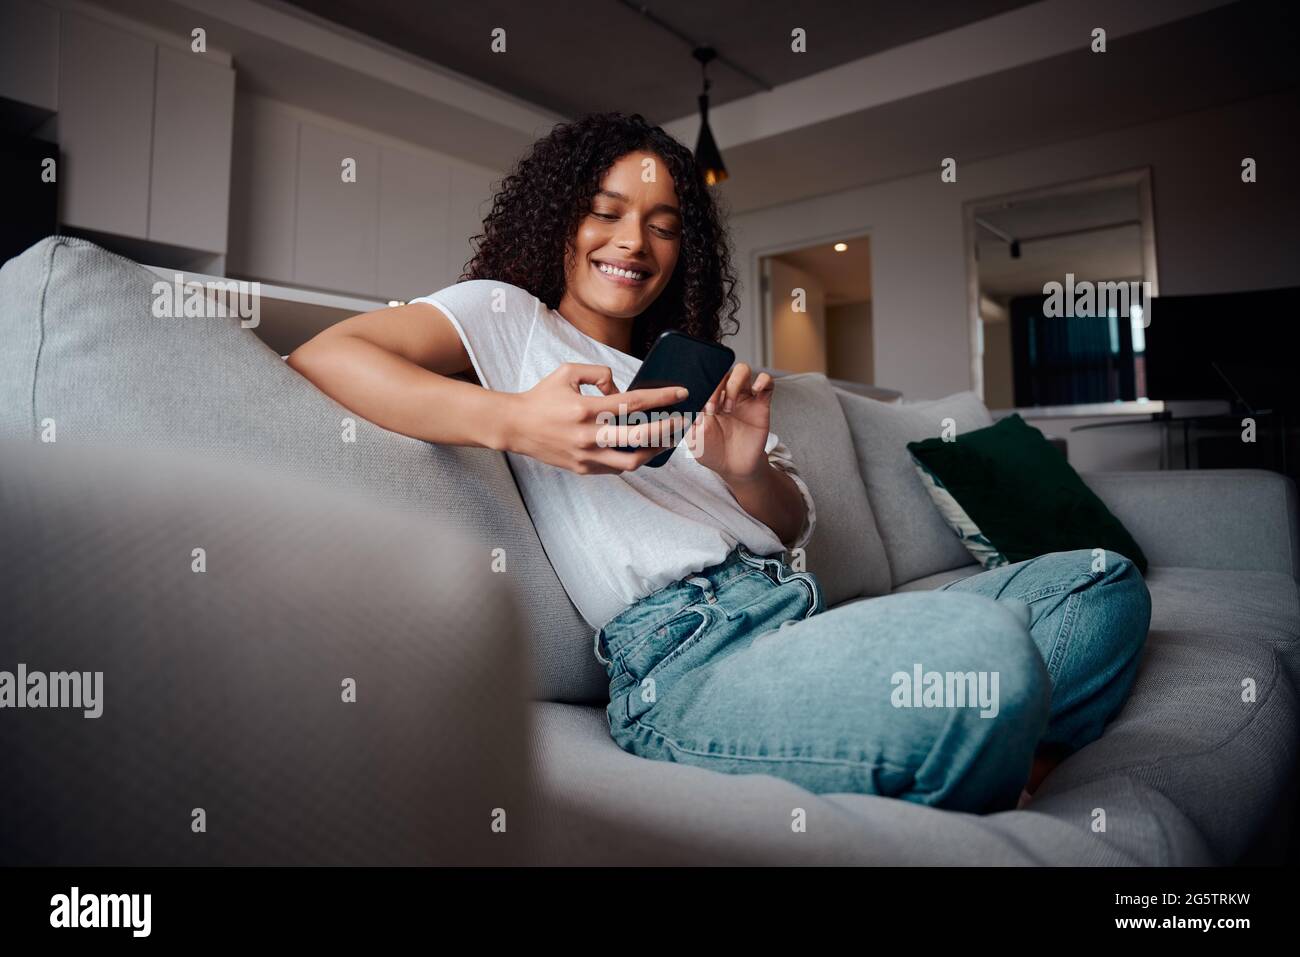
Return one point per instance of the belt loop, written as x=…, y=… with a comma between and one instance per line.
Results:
x=596, y=647
x=705, y=586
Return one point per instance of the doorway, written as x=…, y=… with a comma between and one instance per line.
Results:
x=817, y=309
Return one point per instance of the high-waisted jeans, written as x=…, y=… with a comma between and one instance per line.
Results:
x=938, y=697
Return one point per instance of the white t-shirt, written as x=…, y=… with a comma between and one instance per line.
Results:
x=612, y=539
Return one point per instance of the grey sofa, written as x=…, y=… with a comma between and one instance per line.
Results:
x=1194, y=770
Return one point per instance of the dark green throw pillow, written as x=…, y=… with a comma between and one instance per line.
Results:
x=1010, y=495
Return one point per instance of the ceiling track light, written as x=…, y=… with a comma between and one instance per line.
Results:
x=1011, y=241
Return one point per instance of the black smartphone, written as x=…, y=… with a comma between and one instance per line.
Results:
x=676, y=358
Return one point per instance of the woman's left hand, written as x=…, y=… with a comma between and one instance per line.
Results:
x=730, y=436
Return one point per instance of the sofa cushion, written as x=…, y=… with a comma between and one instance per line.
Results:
x=79, y=345
x=1187, y=774
x=1262, y=606
x=226, y=687
x=1010, y=495
x=917, y=540
x=845, y=552
x=1186, y=732
x=939, y=579
x=598, y=805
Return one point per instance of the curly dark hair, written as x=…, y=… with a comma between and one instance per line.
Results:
x=536, y=212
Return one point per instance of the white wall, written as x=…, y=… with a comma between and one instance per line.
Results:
x=1213, y=232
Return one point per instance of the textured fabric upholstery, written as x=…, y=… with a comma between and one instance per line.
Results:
x=917, y=540
x=223, y=689
x=79, y=344
x=1260, y=606
x=845, y=553
x=1243, y=519
x=938, y=579
x=1188, y=773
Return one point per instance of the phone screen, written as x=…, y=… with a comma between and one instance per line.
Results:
x=680, y=359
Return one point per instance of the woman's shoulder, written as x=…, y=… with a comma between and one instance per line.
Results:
x=491, y=295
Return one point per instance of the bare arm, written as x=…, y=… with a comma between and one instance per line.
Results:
x=730, y=438
x=772, y=497
x=393, y=366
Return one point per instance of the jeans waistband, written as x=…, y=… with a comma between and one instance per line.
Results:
x=657, y=607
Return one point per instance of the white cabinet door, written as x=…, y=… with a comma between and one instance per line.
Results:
x=29, y=53
x=189, y=189
x=338, y=221
x=106, y=83
x=414, y=194
x=263, y=186
x=471, y=201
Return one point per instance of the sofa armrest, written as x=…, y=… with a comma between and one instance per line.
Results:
x=223, y=688
x=1241, y=519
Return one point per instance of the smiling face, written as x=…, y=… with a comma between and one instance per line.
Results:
x=625, y=249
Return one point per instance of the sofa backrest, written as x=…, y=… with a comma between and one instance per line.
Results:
x=917, y=540
x=845, y=552
x=81, y=348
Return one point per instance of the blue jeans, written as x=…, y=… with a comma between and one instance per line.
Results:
x=938, y=697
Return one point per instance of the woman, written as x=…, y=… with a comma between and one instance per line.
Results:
x=604, y=236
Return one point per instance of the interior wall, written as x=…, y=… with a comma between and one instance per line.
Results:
x=798, y=338
x=849, y=353
x=1214, y=233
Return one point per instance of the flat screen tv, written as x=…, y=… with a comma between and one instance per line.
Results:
x=1237, y=346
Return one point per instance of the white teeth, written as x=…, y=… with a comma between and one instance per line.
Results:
x=616, y=271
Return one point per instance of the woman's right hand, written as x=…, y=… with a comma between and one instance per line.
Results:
x=556, y=423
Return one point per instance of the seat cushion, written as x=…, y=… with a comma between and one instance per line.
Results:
x=917, y=540
x=1188, y=773
x=1186, y=732
x=1263, y=606
x=598, y=805
x=845, y=552
x=939, y=579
